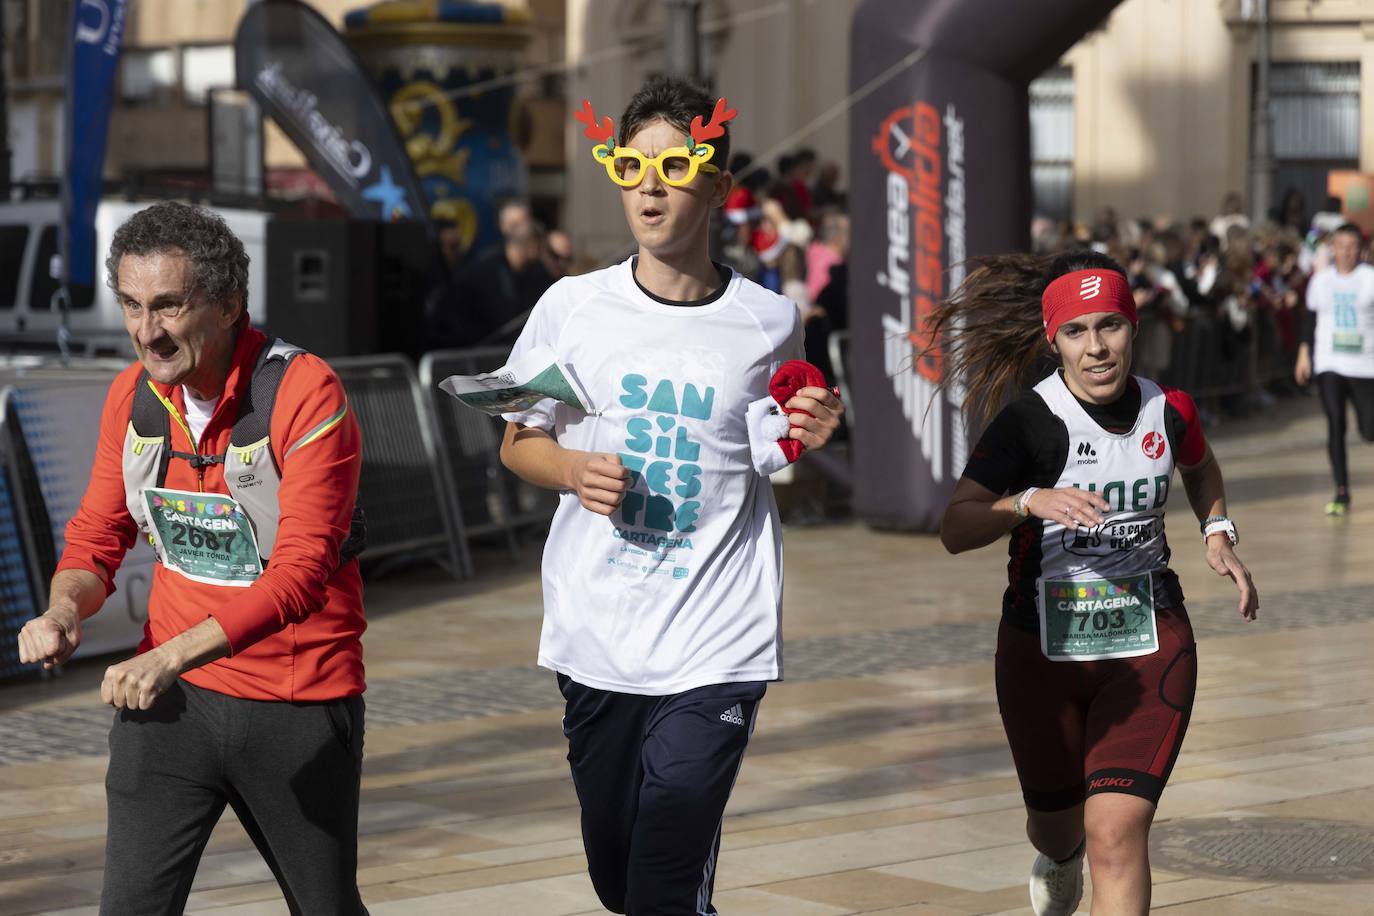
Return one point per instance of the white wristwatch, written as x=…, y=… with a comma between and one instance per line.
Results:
x=1220, y=524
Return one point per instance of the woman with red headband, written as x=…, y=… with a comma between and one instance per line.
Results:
x=1096, y=665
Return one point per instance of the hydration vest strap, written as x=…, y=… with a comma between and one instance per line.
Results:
x=151, y=421
x=196, y=461
x=254, y=421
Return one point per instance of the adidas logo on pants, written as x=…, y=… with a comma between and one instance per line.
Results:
x=733, y=715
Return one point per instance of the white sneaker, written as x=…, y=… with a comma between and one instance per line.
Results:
x=1055, y=889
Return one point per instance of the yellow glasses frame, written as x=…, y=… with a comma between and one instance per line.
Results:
x=696, y=161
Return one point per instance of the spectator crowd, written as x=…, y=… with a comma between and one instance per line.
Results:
x=1221, y=300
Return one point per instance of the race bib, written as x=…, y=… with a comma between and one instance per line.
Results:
x=1090, y=619
x=204, y=536
x=1347, y=342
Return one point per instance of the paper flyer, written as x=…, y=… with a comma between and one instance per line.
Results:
x=519, y=385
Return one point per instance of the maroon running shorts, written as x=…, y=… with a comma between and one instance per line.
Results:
x=1079, y=728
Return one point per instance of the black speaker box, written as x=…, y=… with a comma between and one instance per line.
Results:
x=347, y=287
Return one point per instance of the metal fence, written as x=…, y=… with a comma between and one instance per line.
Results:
x=18, y=597
x=401, y=489
x=488, y=498
x=1208, y=358
x=837, y=347
x=49, y=426
x=1211, y=359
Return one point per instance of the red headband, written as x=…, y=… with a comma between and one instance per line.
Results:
x=1083, y=292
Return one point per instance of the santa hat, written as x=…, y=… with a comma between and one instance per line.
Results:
x=769, y=427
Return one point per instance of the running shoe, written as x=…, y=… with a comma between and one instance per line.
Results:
x=1338, y=507
x=1056, y=888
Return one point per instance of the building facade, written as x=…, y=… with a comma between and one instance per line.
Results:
x=1151, y=114
x=1160, y=106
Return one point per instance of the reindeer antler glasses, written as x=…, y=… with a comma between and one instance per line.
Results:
x=677, y=166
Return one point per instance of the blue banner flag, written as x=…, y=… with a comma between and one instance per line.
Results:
x=97, y=34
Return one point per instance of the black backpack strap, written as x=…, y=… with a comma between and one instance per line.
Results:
x=254, y=421
x=356, y=541
x=150, y=420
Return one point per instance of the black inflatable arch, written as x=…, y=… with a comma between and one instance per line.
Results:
x=940, y=171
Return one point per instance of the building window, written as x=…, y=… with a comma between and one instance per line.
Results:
x=1051, y=135
x=205, y=67
x=149, y=76
x=1316, y=110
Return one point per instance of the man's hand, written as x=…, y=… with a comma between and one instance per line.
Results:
x=599, y=480
x=1223, y=560
x=135, y=684
x=825, y=409
x=51, y=638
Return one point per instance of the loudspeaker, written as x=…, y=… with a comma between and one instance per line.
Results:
x=348, y=287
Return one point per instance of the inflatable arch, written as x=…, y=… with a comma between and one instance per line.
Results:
x=940, y=171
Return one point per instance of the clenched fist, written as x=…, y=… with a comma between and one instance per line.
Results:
x=599, y=480
x=135, y=684
x=50, y=639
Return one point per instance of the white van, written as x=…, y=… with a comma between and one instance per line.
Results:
x=29, y=249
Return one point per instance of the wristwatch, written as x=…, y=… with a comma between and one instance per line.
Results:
x=1219, y=524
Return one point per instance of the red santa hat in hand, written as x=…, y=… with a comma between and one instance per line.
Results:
x=769, y=427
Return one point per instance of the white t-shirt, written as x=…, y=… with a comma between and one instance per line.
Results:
x=1344, y=304
x=682, y=586
x=198, y=413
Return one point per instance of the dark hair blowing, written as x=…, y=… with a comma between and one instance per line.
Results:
x=676, y=101
x=219, y=265
x=992, y=331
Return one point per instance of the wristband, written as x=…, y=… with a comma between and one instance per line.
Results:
x=1020, y=505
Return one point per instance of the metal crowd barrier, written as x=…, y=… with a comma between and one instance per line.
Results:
x=19, y=597
x=1212, y=360
x=401, y=489
x=488, y=498
x=49, y=426
x=837, y=347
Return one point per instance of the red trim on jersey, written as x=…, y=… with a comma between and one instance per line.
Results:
x=1193, y=448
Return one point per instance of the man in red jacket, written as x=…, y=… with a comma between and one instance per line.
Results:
x=247, y=687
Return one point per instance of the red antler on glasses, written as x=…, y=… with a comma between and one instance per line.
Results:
x=588, y=117
x=717, y=126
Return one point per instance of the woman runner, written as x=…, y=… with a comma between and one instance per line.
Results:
x=1096, y=665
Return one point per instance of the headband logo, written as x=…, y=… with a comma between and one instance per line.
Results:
x=1090, y=287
